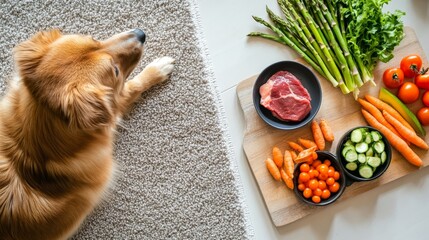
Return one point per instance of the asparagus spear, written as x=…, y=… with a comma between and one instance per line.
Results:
x=329, y=59
x=343, y=44
x=308, y=39
x=288, y=42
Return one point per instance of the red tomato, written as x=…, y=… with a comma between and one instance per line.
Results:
x=422, y=81
x=393, y=77
x=425, y=98
x=423, y=115
x=411, y=65
x=408, y=92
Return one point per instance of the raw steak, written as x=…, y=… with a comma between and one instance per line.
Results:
x=285, y=97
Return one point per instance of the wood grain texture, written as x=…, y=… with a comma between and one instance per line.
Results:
x=342, y=113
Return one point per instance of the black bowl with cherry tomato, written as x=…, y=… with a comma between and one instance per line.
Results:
x=321, y=182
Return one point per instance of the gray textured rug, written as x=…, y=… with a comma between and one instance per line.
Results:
x=177, y=178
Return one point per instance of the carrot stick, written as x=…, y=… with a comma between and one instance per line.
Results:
x=384, y=106
x=375, y=112
x=294, y=155
x=307, y=143
x=277, y=157
x=396, y=142
x=289, y=165
x=326, y=130
x=306, y=155
x=295, y=146
x=273, y=169
x=286, y=179
x=318, y=135
x=405, y=132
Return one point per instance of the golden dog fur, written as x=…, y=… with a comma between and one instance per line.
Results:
x=57, y=127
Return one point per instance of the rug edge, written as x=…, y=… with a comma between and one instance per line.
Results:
x=195, y=14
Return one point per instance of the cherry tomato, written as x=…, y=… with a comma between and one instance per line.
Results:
x=423, y=115
x=393, y=77
x=422, y=81
x=304, y=177
x=301, y=187
x=336, y=175
x=317, y=192
x=331, y=172
x=313, y=184
x=425, y=98
x=325, y=194
x=304, y=167
x=307, y=193
x=316, y=199
x=323, y=176
x=322, y=185
x=313, y=173
x=334, y=187
x=330, y=181
x=322, y=168
x=316, y=163
x=327, y=162
x=411, y=65
x=408, y=92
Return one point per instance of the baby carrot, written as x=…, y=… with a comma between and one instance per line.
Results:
x=326, y=130
x=307, y=143
x=286, y=179
x=294, y=155
x=277, y=157
x=396, y=142
x=289, y=165
x=375, y=112
x=318, y=135
x=295, y=146
x=273, y=169
x=384, y=106
x=405, y=132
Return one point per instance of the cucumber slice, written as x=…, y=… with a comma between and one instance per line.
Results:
x=361, y=158
x=365, y=171
x=351, y=156
x=361, y=147
x=356, y=135
x=352, y=166
x=376, y=136
x=383, y=157
x=349, y=143
x=346, y=149
x=374, y=161
x=379, y=146
x=368, y=138
x=370, y=152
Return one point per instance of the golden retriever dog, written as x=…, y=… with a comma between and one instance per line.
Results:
x=57, y=127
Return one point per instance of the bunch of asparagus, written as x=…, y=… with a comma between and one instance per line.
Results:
x=316, y=30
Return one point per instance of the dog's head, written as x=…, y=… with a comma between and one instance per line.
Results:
x=76, y=76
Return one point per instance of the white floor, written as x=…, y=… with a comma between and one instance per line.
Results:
x=398, y=210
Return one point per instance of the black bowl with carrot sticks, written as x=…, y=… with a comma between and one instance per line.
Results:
x=364, y=154
x=319, y=182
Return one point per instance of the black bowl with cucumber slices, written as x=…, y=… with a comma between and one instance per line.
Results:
x=364, y=153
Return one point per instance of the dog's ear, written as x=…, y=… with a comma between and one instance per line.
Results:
x=28, y=54
x=88, y=106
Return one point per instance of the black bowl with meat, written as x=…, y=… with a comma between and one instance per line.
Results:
x=287, y=95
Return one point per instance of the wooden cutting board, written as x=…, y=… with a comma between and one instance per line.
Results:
x=342, y=112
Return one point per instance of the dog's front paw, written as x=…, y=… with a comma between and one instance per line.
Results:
x=164, y=67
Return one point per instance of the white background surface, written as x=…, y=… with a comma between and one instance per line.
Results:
x=398, y=210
